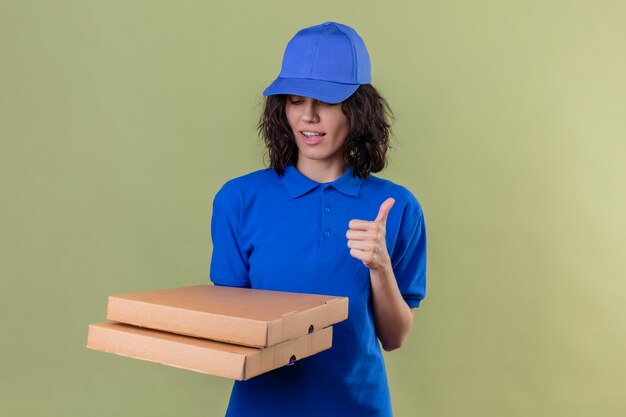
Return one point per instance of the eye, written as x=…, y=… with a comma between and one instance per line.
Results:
x=295, y=99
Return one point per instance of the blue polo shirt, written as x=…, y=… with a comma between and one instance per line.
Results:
x=289, y=234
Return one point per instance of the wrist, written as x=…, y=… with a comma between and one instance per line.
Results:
x=382, y=268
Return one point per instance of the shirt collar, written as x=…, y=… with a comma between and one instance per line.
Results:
x=298, y=184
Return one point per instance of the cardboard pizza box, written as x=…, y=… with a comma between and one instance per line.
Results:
x=202, y=355
x=242, y=316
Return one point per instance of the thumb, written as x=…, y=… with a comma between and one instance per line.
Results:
x=385, y=207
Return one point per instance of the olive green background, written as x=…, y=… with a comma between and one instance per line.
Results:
x=119, y=121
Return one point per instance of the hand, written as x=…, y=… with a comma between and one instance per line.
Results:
x=366, y=239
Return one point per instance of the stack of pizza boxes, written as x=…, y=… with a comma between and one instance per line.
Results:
x=230, y=332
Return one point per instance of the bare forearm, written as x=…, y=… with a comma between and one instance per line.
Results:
x=392, y=315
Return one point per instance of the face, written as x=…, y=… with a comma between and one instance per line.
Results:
x=320, y=129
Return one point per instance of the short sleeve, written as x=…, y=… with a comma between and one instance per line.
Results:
x=409, y=255
x=229, y=263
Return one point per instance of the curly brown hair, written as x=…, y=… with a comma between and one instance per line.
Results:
x=366, y=147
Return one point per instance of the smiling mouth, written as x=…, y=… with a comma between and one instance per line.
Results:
x=312, y=138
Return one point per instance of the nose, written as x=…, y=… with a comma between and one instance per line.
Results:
x=309, y=113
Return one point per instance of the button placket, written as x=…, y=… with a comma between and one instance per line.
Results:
x=325, y=231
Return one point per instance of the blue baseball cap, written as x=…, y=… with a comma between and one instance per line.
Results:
x=326, y=62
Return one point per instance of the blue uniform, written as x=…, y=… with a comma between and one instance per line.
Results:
x=289, y=234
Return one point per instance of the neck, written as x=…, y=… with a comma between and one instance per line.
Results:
x=321, y=171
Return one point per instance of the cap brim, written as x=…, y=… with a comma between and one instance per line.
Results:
x=325, y=91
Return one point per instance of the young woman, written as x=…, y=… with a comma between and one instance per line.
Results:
x=316, y=221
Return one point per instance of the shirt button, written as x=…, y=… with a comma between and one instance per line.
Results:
x=326, y=233
x=327, y=209
x=327, y=190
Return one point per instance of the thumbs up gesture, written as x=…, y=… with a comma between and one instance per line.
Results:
x=366, y=239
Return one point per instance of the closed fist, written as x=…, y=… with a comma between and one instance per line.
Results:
x=366, y=239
